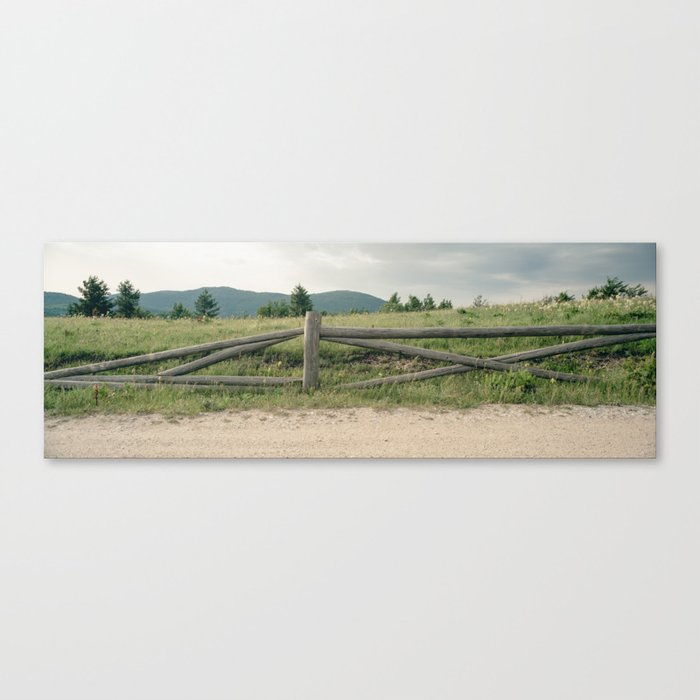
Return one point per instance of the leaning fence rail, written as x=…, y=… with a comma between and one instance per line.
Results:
x=369, y=338
x=275, y=336
x=538, y=353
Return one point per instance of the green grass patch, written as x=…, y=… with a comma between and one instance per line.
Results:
x=626, y=372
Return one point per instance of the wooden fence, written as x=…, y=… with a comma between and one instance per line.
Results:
x=370, y=338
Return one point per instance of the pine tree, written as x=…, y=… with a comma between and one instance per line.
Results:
x=392, y=304
x=127, y=301
x=95, y=299
x=179, y=311
x=413, y=303
x=205, y=305
x=300, y=302
x=428, y=303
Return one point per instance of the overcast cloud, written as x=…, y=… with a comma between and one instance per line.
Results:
x=501, y=272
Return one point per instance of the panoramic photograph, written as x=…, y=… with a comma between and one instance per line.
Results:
x=350, y=350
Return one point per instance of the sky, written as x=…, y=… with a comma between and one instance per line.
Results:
x=499, y=272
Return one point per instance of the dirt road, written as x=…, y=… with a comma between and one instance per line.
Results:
x=487, y=431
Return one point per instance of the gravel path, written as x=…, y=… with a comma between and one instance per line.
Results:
x=487, y=431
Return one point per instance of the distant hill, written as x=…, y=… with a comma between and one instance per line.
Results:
x=56, y=303
x=232, y=302
x=343, y=301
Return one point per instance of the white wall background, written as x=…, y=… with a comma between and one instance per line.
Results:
x=534, y=121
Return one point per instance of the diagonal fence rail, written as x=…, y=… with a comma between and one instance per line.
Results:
x=135, y=360
x=375, y=339
x=536, y=354
x=370, y=338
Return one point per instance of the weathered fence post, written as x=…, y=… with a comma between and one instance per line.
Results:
x=312, y=342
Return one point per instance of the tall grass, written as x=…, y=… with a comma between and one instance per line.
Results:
x=627, y=372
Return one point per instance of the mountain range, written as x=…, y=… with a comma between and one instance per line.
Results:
x=232, y=302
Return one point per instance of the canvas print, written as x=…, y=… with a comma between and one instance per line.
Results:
x=349, y=350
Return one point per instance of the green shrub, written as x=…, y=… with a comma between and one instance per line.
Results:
x=615, y=287
x=642, y=372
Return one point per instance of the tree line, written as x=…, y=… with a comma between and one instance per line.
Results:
x=96, y=300
x=613, y=288
x=394, y=304
x=299, y=303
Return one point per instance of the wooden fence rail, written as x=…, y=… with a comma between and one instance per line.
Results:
x=206, y=381
x=474, y=362
x=170, y=354
x=370, y=338
x=495, y=332
x=220, y=356
x=538, y=353
x=374, y=339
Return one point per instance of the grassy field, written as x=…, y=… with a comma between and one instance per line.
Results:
x=627, y=372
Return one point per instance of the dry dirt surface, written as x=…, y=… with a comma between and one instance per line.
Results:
x=495, y=431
